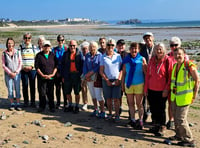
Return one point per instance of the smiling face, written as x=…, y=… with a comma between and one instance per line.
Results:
x=102, y=43
x=149, y=40
x=159, y=51
x=121, y=47
x=179, y=55
x=27, y=39
x=10, y=45
x=72, y=46
x=134, y=51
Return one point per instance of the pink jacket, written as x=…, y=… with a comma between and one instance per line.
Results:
x=158, y=75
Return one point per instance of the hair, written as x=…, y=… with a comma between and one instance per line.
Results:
x=93, y=43
x=175, y=39
x=41, y=37
x=60, y=36
x=27, y=33
x=159, y=45
x=110, y=40
x=180, y=48
x=8, y=41
x=134, y=44
x=84, y=44
x=102, y=38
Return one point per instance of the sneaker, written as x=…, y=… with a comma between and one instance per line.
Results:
x=186, y=144
x=18, y=107
x=12, y=107
x=161, y=131
x=117, y=119
x=133, y=124
x=154, y=129
x=68, y=109
x=102, y=115
x=95, y=113
x=52, y=110
x=140, y=125
x=25, y=105
x=174, y=138
x=40, y=110
x=170, y=125
x=85, y=107
x=76, y=110
x=33, y=105
x=109, y=117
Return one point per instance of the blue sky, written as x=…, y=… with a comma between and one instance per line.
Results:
x=100, y=9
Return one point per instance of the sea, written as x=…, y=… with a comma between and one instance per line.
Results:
x=158, y=24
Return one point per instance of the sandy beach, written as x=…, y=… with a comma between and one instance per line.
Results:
x=29, y=129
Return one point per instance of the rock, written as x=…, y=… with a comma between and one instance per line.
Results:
x=68, y=137
x=121, y=146
x=15, y=145
x=25, y=142
x=3, y=116
x=94, y=141
x=191, y=124
x=14, y=125
x=167, y=141
x=135, y=140
x=152, y=144
x=45, y=137
x=126, y=139
x=67, y=124
x=36, y=122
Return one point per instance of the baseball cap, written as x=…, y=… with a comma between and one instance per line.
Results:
x=121, y=41
x=46, y=42
x=147, y=34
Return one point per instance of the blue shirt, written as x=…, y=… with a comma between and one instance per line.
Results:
x=91, y=63
x=59, y=54
x=112, y=65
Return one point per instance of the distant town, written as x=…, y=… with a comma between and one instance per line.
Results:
x=7, y=22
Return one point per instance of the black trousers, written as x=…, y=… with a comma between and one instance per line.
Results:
x=46, y=91
x=157, y=106
x=59, y=84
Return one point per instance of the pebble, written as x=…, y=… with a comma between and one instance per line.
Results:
x=45, y=137
x=68, y=137
x=3, y=116
x=126, y=139
x=25, y=142
x=121, y=146
x=14, y=125
x=67, y=124
x=167, y=141
x=15, y=145
x=135, y=140
x=191, y=124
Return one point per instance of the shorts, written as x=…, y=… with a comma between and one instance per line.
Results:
x=111, y=92
x=74, y=82
x=95, y=92
x=135, y=89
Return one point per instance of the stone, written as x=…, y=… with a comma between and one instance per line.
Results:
x=14, y=125
x=191, y=124
x=25, y=142
x=126, y=139
x=121, y=146
x=67, y=124
x=45, y=137
x=3, y=116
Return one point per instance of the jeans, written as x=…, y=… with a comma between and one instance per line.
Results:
x=13, y=84
x=28, y=76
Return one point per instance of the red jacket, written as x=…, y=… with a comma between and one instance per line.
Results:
x=158, y=74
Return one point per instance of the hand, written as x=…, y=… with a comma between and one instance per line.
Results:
x=117, y=82
x=145, y=94
x=108, y=83
x=27, y=68
x=13, y=74
x=123, y=87
x=165, y=93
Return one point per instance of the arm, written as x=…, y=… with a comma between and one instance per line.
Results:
x=195, y=77
x=123, y=77
x=20, y=63
x=104, y=76
x=144, y=66
x=6, y=69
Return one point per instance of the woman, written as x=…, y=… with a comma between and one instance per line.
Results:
x=41, y=39
x=94, y=82
x=12, y=63
x=184, y=90
x=156, y=88
x=134, y=69
x=110, y=70
x=46, y=66
x=84, y=50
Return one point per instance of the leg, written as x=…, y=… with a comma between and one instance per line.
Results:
x=24, y=77
x=131, y=105
x=139, y=100
x=50, y=94
x=42, y=93
x=58, y=89
x=117, y=105
x=32, y=76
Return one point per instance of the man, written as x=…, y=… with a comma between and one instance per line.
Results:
x=59, y=51
x=28, y=72
x=121, y=46
x=102, y=43
x=46, y=66
x=184, y=90
x=146, y=51
x=72, y=66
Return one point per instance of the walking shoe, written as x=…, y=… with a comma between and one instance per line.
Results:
x=95, y=113
x=40, y=110
x=154, y=129
x=102, y=115
x=186, y=144
x=174, y=138
x=76, y=110
x=133, y=123
x=109, y=117
x=12, y=107
x=117, y=119
x=33, y=105
x=68, y=109
x=139, y=125
x=161, y=131
x=85, y=107
x=120, y=110
x=18, y=107
x=170, y=125
x=52, y=110
x=25, y=104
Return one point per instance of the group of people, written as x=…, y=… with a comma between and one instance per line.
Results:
x=146, y=74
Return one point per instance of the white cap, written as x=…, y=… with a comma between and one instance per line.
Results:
x=147, y=33
x=46, y=42
x=85, y=44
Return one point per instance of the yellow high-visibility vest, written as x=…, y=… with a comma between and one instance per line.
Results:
x=182, y=85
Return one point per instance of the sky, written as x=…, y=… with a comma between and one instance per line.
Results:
x=100, y=9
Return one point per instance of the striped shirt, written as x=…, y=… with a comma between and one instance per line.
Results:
x=28, y=55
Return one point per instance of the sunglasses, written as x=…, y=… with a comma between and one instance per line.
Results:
x=173, y=45
x=72, y=45
x=61, y=40
x=110, y=45
x=27, y=38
